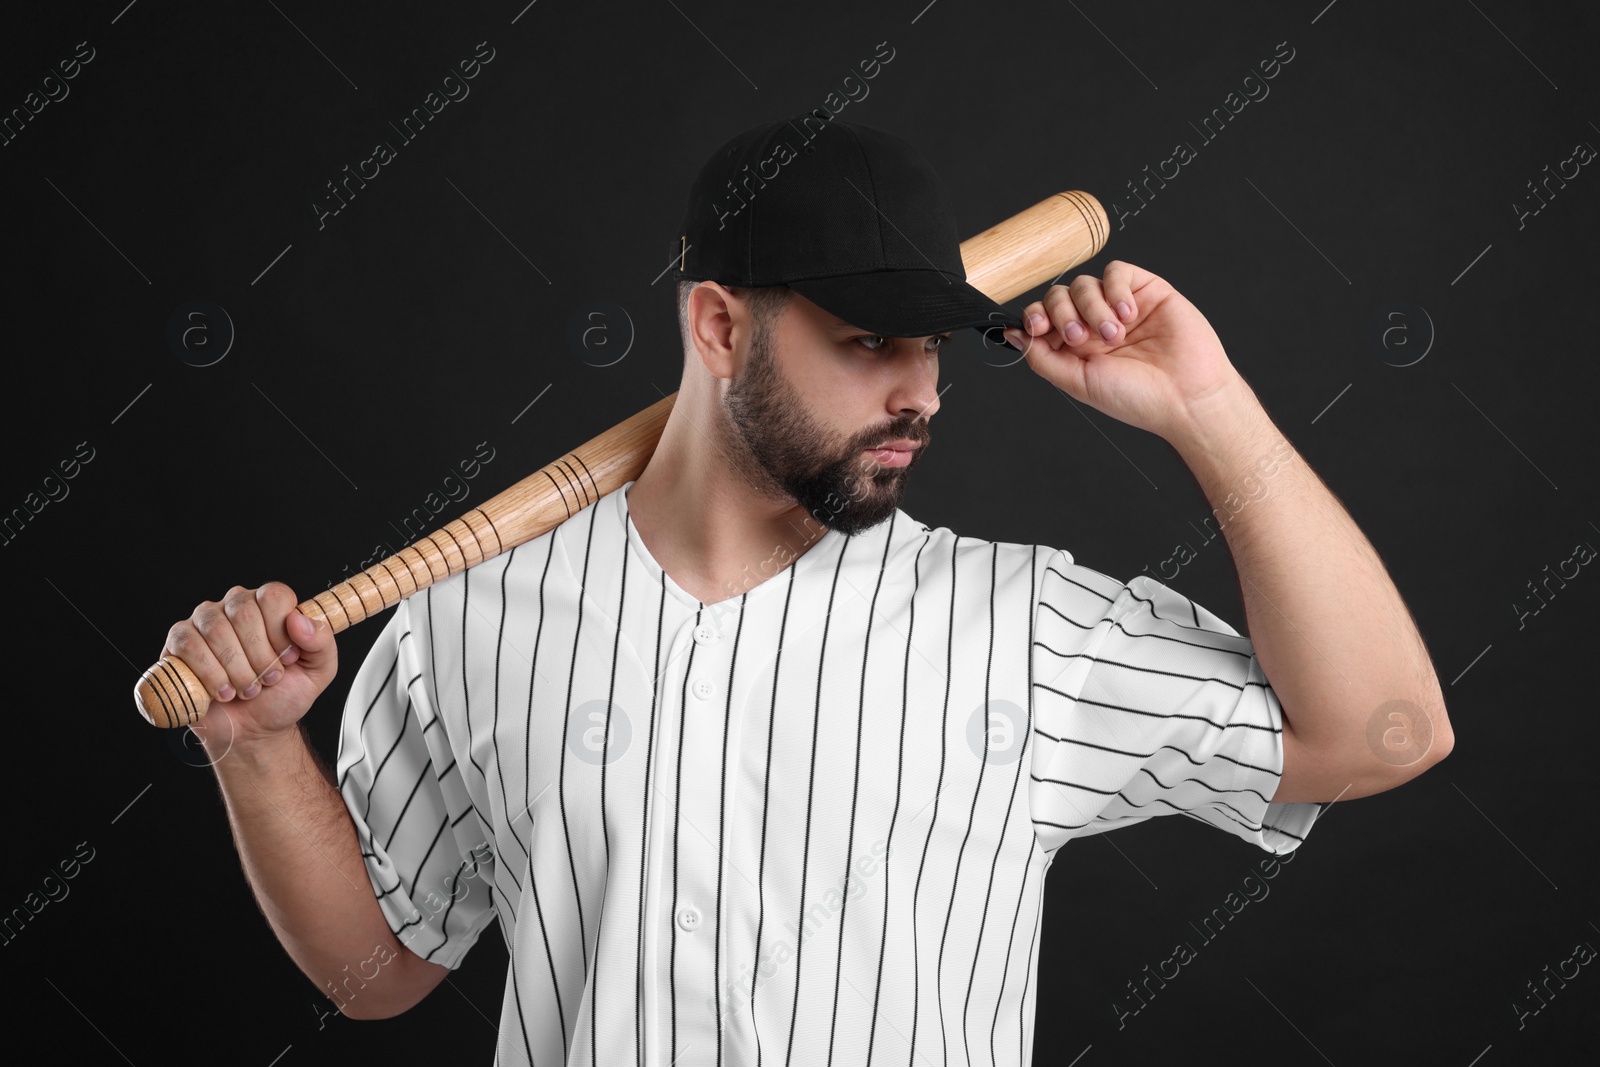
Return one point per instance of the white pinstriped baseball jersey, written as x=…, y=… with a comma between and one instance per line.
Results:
x=807, y=825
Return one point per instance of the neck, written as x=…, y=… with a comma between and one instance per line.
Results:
x=713, y=532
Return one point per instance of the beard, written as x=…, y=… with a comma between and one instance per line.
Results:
x=785, y=454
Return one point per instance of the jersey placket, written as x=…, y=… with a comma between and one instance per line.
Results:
x=690, y=810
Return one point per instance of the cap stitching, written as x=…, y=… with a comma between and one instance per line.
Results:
x=765, y=149
x=877, y=213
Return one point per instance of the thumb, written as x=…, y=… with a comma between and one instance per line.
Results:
x=1060, y=367
x=314, y=639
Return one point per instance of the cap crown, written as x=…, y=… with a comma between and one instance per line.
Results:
x=805, y=198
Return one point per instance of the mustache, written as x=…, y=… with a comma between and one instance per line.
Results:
x=917, y=432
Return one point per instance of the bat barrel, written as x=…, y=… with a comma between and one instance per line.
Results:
x=1033, y=246
x=1036, y=245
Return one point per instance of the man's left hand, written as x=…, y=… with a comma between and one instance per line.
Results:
x=1129, y=345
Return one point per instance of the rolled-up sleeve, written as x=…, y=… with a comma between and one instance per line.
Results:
x=1146, y=704
x=425, y=849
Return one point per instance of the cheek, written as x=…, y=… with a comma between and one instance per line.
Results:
x=832, y=390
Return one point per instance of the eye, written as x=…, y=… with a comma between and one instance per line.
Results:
x=882, y=342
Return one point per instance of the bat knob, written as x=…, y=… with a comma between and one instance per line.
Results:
x=169, y=694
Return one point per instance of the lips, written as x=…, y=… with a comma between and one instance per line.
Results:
x=892, y=457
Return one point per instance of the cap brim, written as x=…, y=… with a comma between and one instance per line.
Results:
x=907, y=303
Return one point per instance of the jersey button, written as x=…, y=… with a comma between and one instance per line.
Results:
x=705, y=633
x=689, y=919
x=704, y=688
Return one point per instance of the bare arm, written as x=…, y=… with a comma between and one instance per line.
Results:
x=1332, y=633
x=299, y=851
x=296, y=841
x=1333, y=637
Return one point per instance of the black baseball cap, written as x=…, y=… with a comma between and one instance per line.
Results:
x=851, y=217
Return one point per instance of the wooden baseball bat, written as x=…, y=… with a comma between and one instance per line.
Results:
x=1033, y=246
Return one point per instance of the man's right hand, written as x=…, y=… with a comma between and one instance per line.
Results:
x=233, y=647
x=296, y=838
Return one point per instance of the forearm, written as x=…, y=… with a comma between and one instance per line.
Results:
x=299, y=851
x=1333, y=636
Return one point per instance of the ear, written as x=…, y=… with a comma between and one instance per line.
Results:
x=715, y=316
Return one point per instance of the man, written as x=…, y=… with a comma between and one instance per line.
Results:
x=748, y=763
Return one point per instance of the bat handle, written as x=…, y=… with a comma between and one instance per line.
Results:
x=170, y=694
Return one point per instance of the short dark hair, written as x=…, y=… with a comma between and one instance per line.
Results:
x=765, y=302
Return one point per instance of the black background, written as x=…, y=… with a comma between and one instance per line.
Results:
x=1379, y=177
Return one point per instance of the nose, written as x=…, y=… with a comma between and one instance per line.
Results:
x=917, y=388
